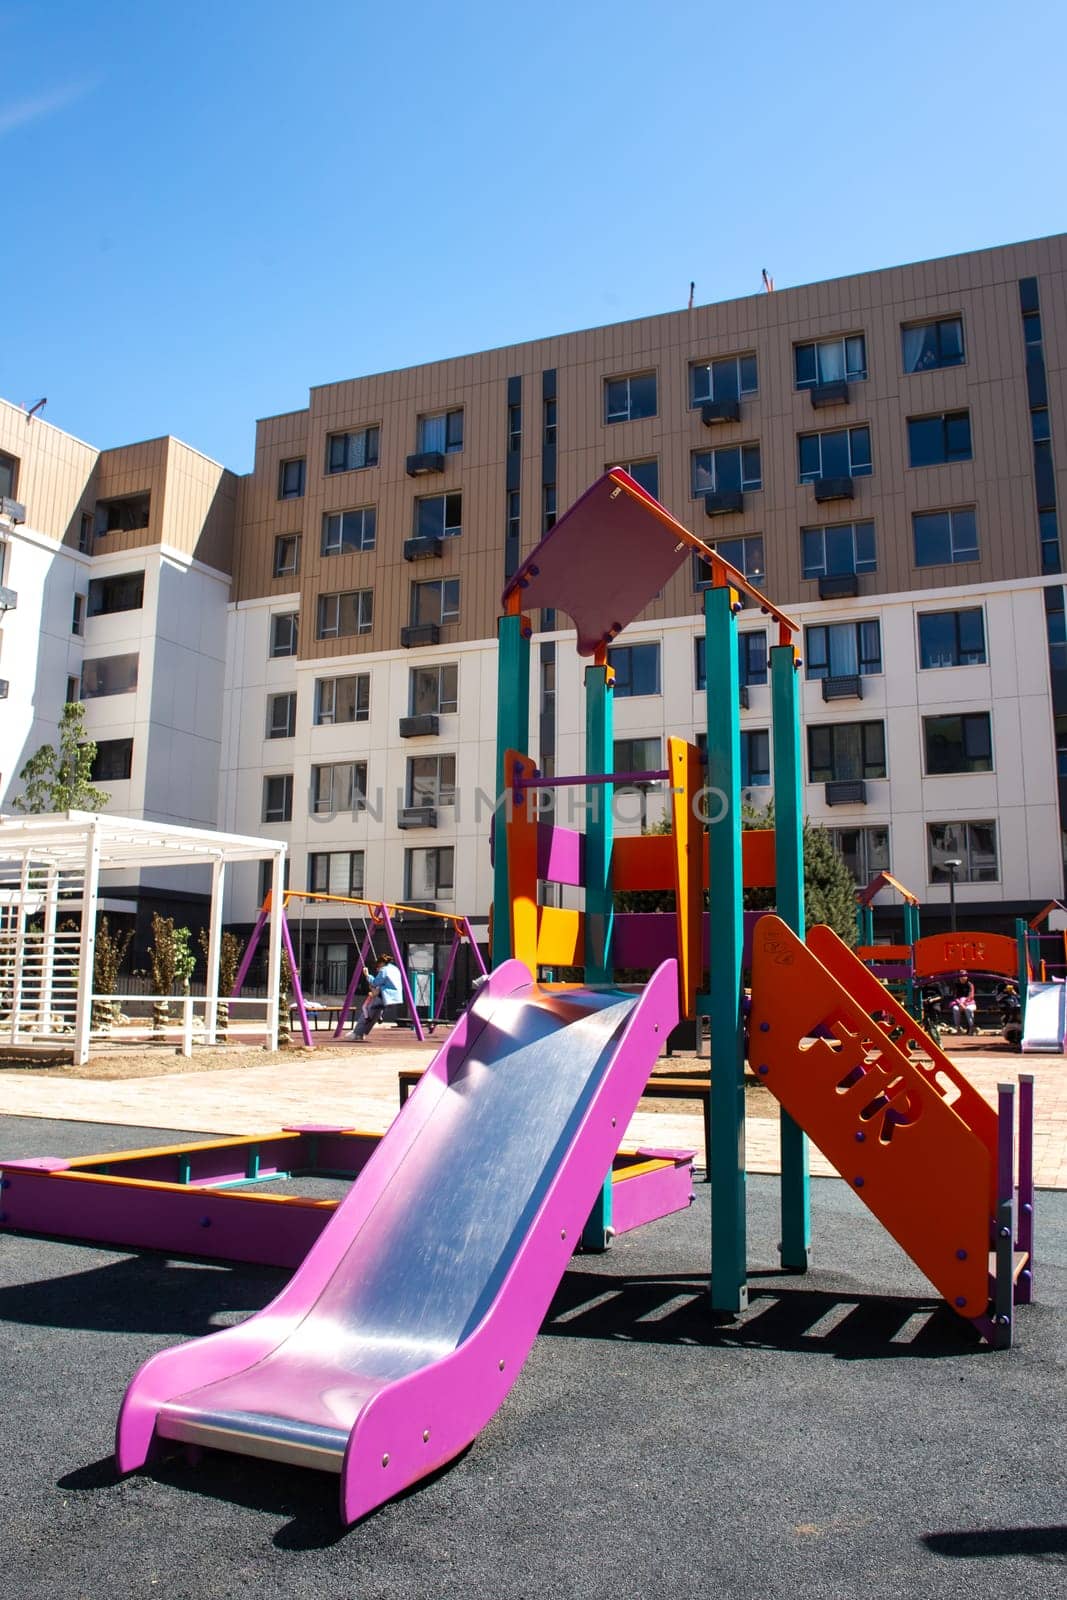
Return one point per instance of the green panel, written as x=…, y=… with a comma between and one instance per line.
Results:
x=599, y=829
x=512, y=733
x=789, y=877
x=729, y=1286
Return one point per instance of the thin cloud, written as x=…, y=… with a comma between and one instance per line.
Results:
x=38, y=106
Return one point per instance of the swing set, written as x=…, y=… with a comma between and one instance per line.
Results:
x=376, y=914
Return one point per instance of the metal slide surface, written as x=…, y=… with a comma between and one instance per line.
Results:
x=403, y=1330
x=1045, y=1019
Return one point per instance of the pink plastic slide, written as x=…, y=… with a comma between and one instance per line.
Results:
x=402, y=1331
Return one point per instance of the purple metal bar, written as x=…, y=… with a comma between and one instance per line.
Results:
x=250, y=950
x=644, y=938
x=435, y=1019
x=350, y=992
x=298, y=993
x=468, y=933
x=1003, y=1225
x=416, y=1021
x=1024, y=1216
x=583, y=778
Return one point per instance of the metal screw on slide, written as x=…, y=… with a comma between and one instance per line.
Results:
x=385, y=1459
x=425, y=1435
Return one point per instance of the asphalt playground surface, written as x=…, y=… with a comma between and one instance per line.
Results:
x=847, y=1436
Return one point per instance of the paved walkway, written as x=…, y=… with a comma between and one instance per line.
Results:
x=360, y=1090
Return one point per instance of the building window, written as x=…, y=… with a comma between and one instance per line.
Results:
x=843, y=649
x=744, y=553
x=436, y=600
x=945, y=537
x=439, y=516
x=284, y=627
x=846, y=750
x=113, y=761
x=846, y=547
x=626, y=399
x=109, y=675
x=73, y=691
x=514, y=527
x=733, y=466
x=335, y=872
x=440, y=434
x=342, y=615
x=636, y=755
x=830, y=361
x=339, y=787
x=124, y=592
x=549, y=420
x=952, y=638
x=286, y=555
x=348, y=452
x=266, y=877
x=431, y=781
x=932, y=344
x=281, y=715
x=958, y=743
x=725, y=379
x=345, y=531
x=865, y=851
x=291, y=479
x=514, y=427
x=77, y=618
x=342, y=699
x=973, y=844
x=9, y=476
x=1049, y=531
x=128, y=514
x=433, y=691
x=932, y=441
x=752, y=657
x=755, y=758
x=645, y=473
x=278, y=797
x=85, y=533
x=636, y=670
x=428, y=873
x=838, y=453
x=548, y=507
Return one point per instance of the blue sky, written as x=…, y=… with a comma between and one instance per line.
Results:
x=212, y=207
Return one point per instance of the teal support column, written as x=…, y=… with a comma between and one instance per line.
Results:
x=599, y=899
x=789, y=879
x=911, y=937
x=1022, y=940
x=726, y=1158
x=865, y=924
x=512, y=733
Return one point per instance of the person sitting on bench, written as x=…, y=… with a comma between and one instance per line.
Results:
x=385, y=991
x=963, y=1005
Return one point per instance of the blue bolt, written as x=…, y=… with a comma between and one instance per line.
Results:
x=764, y=1027
x=205, y=1222
x=858, y=1182
x=961, y=1255
x=861, y=1137
x=1005, y=1233
x=763, y=1070
x=959, y=1302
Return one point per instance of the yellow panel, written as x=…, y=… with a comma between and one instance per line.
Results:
x=560, y=937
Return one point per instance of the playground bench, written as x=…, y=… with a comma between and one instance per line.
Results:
x=661, y=1086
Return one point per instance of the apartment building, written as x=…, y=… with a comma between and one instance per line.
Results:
x=882, y=453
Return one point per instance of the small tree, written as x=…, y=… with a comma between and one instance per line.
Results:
x=61, y=780
x=829, y=888
x=230, y=948
x=108, y=955
x=171, y=960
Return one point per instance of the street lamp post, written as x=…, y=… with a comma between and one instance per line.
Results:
x=952, y=867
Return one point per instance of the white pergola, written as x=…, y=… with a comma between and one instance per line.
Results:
x=50, y=865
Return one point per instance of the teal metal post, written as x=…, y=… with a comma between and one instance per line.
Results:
x=726, y=1158
x=789, y=879
x=911, y=938
x=512, y=733
x=1022, y=940
x=864, y=923
x=599, y=900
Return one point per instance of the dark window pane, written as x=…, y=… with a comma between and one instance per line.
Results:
x=728, y=469
x=933, y=546
x=643, y=395
x=810, y=456
x=749, y=376
x=925, y=441
x=806, y=370
x=751, y=473
x=811, y=552
x=958, y=436
x=860, y=446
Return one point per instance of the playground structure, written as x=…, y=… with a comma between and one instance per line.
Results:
x=1031, y=960
x=380, y=916
x=50, y=890
x=405, y=1325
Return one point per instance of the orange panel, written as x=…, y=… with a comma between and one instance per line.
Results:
x=560, y=937
x=884, y=952
x=881, y=1119
x=644, y=862
x=966, y=952
x=757, y=858
x=521, y=834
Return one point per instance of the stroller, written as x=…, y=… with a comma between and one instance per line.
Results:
x=933, y=1017
x=1011, y=1014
